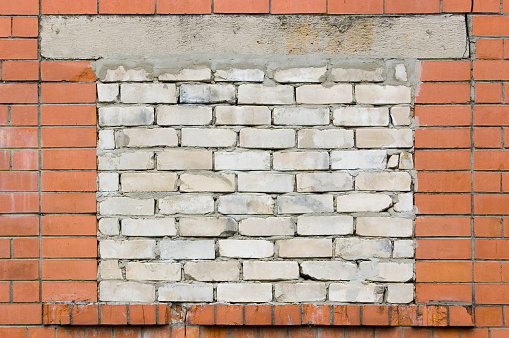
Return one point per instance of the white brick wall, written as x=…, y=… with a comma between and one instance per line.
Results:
x=248, y=184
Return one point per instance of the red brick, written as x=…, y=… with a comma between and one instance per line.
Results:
x=19, y=202
x=68, y=115
x=491, y=294
x=244, y=332
x=25, y=160
x=19, y=7
x=346, y=315
x=13, y=314
x=70, y=332
x=69, y=7
x=60, y=203
x=142, y=314
x=487, y=272
x=287, y=315
x=412, y=6
x=442, y=160
x=241, y=6
x=491, y=204
x=25, y=292
x=298, y=6
x=18, y=181
x=442, y=138
x=442, y=115
x=68, y=92
x=444, y=93
x=445, y=71
x=5, y=27
x=488, y=226
x=486, y=6
x=180, y=7
x=69, y=291
x=25, y=27
x=4, y=115
x=25, y=247
x=375, y=315
x=18, y=93
x=19, y=49
x=506, y=92
x=229, y=315
x=443, y=272
x=68, y=225
x=113, y=314
x=443, y=181
x=82, y=247
x=355, y=7
x=157, y=332
x=301, y=332
x=415, y=332
x=273, y=332
x=461, y=316
x=505, y=182
x=69, y=181
x=443, y=249
x=19, y=270
x=41, y=332
x=258, y=314
x=487, y=182
x=491, y=160
x=386, y=332
x=5, y=248
x=445, y=333
x=456, y=6
x=492, y=249
x=316, y=314
x=489, y=49
x=87, y=314
x=5, y=160
x=214, y=332
x=69, y=159
x=360, y=332
x=24, y=116
x=498, y=333
x=18, y=137
x=491, y=25
x=69, y=137
x=491, y=116
x=20, y=70
x=435, y=204
x=57, y=314
x=426, y=293
x=19, y=226
x=486, y=70
x=488, y=92
x=487, y=137
x=73, y=71
x=131, y=7
x=5, y=293
x=404, y=316
x=200, y=315
x=69, y=270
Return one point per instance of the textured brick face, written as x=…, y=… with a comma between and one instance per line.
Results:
x=264, y=184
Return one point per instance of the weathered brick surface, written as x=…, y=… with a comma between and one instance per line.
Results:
x=208, y=189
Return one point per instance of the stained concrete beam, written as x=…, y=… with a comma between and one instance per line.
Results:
x=223, y=36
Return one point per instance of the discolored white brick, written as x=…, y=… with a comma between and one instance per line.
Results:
x=261, y=94
x=121, y=74
x=148, y=93
x=301, y=160
x=321, y=182
x=400, y=116
x=120, y=291
x=269, y=226
x=140, y=182
x=327, y=138
x=324, y=225
x=236, y=248
x=361, y=116
x=126, y=206
x=153, y=227
x=369, y=72
x=242, y=160
x=303, y=204
x=209, y=137
x=405, y=203
x=109, y=270
x=383, y=181
x=300, y=247
x=361, y=202
x=267, y=138
x=212, y=271
x=307, y=74
x=406, y=161
x=239, y=75
x=244, y=292
x=356, y=293
x=362, y=248
x=138, y=160
x=358, y=159
x=387, y=271
x=265, y=182
x=245, y=116
x=384, y=138
x=184, y=292
x=183, y=115
x=126, y=116
x=186, y=204
x=317, y=94
x=131, y=249
x=187, y=74
x=301, y=116
x=384, y=227
x=207, y=181
x=207, y=93
x=262, y=270
x=108, y=181
x=108, y=226
x=107, y=92
x=377, y=94
x=329, y=270
x=106, y=139
x=144, y=138
x=180, y=249
x=180, y=159
x=400, y=293
x=207, y=226
x=404, y=249
x=153, y=271
x=300, y=292
x=245, y=204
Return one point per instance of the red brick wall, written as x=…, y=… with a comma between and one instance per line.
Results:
x=48, y=247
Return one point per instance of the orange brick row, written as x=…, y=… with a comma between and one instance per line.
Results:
x=257, y=6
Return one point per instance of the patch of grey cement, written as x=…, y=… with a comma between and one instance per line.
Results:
x=223, y=36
